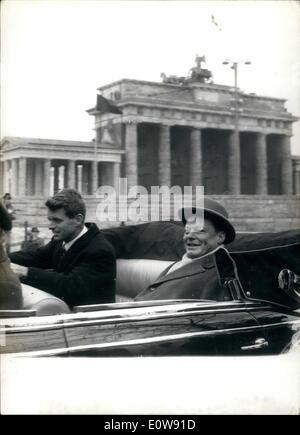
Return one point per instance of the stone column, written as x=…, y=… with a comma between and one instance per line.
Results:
x=286, y=167
x=14, y=177
x=116, y=174
x=22, y=176
x=52, y=180
x=234, y=166
x=196, y=158
x=47, y=177
x=71, y=174
x=164, y=156
x=6, y=176
x=95, y=183
x=297, y=181
x=38, y=177
x=61, y=177
x=131, y=154
x=261, y=165
x=79, y=177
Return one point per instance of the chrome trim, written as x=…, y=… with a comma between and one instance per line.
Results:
x=136, y=304
x=138, y=341
x=150, y=316
x=5, y=328
x=10, y=314
x=258, y=344
x=143, y=313
x=127, y=310
x=69, y=323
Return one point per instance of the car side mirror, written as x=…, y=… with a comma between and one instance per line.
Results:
x=289, y=282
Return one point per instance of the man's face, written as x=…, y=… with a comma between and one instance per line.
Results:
x=63, y=227
x=201, y=237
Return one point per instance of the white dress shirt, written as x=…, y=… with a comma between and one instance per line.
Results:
x=68, y=245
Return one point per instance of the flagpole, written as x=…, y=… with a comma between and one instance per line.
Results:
x=234, y=179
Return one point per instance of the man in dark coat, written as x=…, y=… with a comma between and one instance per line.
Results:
x=78, y=265
x=196, y=276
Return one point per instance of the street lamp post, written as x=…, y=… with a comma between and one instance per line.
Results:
x=234, y=175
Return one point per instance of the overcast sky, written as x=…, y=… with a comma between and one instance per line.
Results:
x=55, y=54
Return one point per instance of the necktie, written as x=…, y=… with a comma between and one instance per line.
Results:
x=60, y=255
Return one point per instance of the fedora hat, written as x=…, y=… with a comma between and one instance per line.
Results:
x=35, y=230
x=215, y=212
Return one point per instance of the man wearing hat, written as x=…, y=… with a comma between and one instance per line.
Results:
x=196, y=275
x=33, y=242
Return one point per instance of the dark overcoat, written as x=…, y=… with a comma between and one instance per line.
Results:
x=199, y=279
x=85, y=275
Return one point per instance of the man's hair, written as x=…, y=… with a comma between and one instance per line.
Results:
x=68, y=199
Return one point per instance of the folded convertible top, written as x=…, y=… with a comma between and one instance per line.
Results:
x=163, y=240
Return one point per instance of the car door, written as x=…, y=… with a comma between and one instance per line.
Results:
x=23, y=332
x=186, y=329
x=239, y=332
x=281, y=328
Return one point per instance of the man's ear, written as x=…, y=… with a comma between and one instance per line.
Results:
x=221, y=237
x=79, y=218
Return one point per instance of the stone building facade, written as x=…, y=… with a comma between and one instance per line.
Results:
x=176, y=134
x=181, y=132
x=39, y=167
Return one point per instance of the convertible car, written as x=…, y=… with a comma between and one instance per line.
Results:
x=261, y=316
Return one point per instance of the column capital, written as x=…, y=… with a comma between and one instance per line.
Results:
x=130, y=121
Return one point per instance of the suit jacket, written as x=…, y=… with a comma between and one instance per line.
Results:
x=85, y=275
x=196, y=280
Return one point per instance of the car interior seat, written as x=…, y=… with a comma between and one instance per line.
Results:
x=134, y=275
x=43, y=303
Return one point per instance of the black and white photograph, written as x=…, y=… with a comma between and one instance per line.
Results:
x=150, y=210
